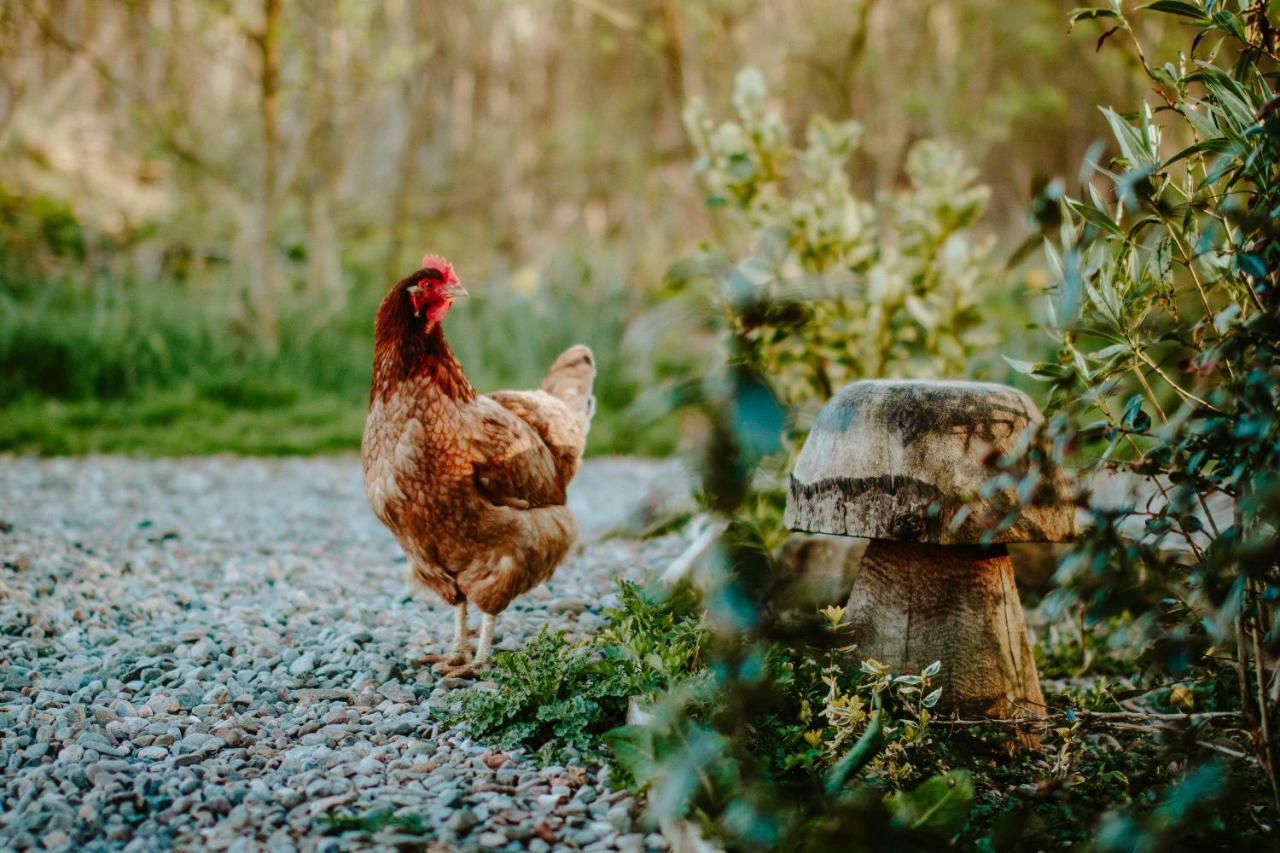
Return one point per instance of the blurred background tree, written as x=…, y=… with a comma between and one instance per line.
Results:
x=202, y=199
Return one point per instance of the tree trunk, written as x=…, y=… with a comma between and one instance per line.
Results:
x=262, y=288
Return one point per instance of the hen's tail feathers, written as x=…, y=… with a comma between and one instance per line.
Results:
x=570, y=379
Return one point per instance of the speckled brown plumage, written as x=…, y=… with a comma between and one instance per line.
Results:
x=472, y=486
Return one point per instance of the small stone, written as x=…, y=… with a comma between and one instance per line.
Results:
x=567, y=605
x=55, y=839
x=303, y=665
x=630, y=843
x=463, y=821
x=397, y=692
x=153, y=753
x=234, y=736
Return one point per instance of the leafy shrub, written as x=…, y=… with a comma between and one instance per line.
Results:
x=901, y=702
x=1165, y=317
x=823, y=286
x=1121, y=316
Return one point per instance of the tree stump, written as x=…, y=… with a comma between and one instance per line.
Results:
x=904, y=464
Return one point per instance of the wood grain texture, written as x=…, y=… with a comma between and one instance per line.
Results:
x=906, y=461
x=913, y=604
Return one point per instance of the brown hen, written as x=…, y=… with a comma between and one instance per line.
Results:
x=471, y=485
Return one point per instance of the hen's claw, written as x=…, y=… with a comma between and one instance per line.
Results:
x=471, y=669
x=446, y=662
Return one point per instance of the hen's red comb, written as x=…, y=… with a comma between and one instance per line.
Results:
x=438, y=262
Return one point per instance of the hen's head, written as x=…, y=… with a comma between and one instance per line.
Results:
x=428, y=294
x=420, y=300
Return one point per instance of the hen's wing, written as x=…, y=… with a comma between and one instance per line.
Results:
x=555, y=423
x=513, y=464
x=560, y=411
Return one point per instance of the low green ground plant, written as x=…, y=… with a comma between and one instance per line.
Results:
x=559, y=698
x=1112, y=759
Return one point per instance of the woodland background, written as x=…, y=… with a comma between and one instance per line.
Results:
x=202, y=200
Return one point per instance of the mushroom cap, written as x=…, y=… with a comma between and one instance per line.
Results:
x=900, y=460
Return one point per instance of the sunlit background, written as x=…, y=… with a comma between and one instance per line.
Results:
x=201, y=202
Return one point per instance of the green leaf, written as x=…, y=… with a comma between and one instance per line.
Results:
x=1091, y=14
x=634, y=749
x=1252, y=265
x=1175, y=7
x=939, y=806
x=1037, y=369
x=871, y=742
x=1231, y=24
x=1136, y=143
x=1095, y=216
x=1234, y=100
x=1109, y=352
x=1219, y=145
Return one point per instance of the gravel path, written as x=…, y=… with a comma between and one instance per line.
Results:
x=215, y=653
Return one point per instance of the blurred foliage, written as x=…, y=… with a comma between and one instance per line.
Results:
x=254, y=174
x=822, y=286
x=173, y=370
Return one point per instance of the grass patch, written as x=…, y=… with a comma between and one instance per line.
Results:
x=179, y=423
x=164, y=371
x=182, y=422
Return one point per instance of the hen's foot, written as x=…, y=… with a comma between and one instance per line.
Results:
x=443, y=663
x=471, y=669
x=455, y=657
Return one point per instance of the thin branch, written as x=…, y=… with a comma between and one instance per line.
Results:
x=1182, y=392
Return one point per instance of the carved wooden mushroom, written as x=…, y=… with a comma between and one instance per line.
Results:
x=902, y=463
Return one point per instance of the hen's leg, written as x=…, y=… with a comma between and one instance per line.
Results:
x=460, y=645
x=483, y=647
x=461, y=648
x=485, y=644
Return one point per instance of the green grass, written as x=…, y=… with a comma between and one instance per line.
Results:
x=163, y=370
x=174, y=423
x=180, y=423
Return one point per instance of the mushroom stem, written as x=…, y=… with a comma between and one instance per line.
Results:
x=913, y=604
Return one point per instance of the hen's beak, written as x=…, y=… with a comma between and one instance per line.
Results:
x=453, y=290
